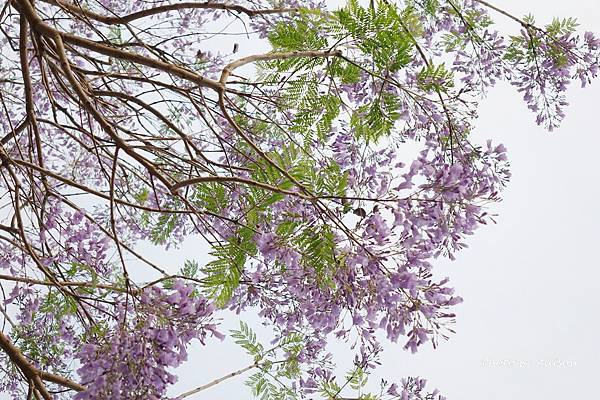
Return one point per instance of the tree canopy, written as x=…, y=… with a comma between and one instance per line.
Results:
x=325, y=174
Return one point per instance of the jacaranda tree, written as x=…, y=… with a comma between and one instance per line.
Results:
x=325, y=175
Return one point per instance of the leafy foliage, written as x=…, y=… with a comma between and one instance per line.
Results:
x=222, y=275
x=436, y=78
x=385, y=34
x=163, y=228
x=268, y=383
x=377, y=119
x=302, y=33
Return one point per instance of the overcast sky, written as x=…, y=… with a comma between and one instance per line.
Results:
x=529, y=326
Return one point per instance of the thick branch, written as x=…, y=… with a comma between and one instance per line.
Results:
x=229, y=68
x=21, y=127
x=32, y=373
x=41, y=27
x=115, y=20
x=61, y=380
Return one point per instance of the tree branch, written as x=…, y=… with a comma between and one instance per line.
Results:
x=229, y=68
x=116, y=20
x=41, y=27
x=237, y=179
x=32, y=373
x=216, y=381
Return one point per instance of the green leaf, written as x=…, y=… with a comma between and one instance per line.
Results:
x=317, y=246
x=384, y=32
x=246, y=338
x=376, y=119
x=347, y=72
x=300, y=34
x=435, y=78
x=223, y=273
x=162, y=230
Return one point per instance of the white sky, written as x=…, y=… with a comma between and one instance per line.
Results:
x=529, y=326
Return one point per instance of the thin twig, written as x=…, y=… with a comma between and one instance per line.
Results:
x=217, y=381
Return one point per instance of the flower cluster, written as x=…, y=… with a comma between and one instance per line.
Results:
x=131, y=358
x=412, y=388
x=555, y=57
